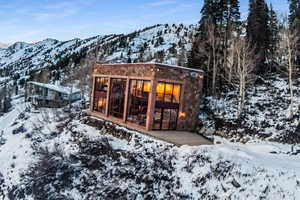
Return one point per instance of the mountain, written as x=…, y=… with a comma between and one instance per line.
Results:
x=159, y=43
x=3, y=45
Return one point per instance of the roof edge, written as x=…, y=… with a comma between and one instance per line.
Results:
x=154, y=63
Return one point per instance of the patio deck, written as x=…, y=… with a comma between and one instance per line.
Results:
x=178, y=138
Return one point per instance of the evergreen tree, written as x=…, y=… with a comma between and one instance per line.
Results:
x=220, y=18
x=294, y=16
x=273, y=32
x=258, y=33
x=294, y=22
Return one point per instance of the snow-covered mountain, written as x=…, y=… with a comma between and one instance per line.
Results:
x=3, y=45
x=160, y=43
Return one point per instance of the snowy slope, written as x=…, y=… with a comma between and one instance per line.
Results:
x=88, y=163
x=266, y=114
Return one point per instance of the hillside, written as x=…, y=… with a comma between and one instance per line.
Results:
x=160, y=43
x=50, y=154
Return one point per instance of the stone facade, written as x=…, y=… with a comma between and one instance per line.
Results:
x=190, y=95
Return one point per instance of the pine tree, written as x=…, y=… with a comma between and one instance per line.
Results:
x=294, y=22
x=257, y=32
x=273, y=32
x=220, y=18
x=294, y=16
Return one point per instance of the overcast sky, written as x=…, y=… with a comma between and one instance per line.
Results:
x=35, y=20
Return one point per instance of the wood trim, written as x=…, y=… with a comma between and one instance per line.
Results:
x=124, y=77
x=92, y=95
x=126, y=100
x=151, y=105
x=108, y=97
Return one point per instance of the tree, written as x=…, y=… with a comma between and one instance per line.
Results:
x=257, y=32
x=273, y=32
x=289, y=53
x=294, y=22
x=294, y=16
x=220, y=19
x=242, y=69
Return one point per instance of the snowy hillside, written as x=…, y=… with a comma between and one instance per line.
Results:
x=49, y=154
x=266, y=115
x=160, y=43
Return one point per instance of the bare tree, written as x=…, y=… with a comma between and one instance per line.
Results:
x=288, y=53
x=241, y=72
x=213, y=57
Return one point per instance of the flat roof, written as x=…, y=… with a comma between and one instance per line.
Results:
x=58, y=88
x=154, y=63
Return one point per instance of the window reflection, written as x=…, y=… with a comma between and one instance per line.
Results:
x=100, y=94
x=117, y=97
x=166, y=106
x=138, y=101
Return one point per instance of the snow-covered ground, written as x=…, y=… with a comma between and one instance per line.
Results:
x=266, y=115
x=139, y=167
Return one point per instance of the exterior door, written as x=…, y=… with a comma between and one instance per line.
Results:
x=166, y=106
x=117, y=98
x=165, y=119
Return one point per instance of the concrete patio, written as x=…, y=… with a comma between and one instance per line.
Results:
x=179, y=138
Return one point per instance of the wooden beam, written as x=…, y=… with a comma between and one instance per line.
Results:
x=126, y=100
x=151, y=105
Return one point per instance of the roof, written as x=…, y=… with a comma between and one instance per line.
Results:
x=160, y=64
x=58, y=88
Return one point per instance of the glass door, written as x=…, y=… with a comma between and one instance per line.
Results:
x=166, y=106
x=117, y=98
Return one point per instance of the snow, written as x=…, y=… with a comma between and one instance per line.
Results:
x=265, y=116
x=256, y=165
x=58, y=88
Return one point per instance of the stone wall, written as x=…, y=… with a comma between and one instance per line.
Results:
x=133, y=70
x=191, y=81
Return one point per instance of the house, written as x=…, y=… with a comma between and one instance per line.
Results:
x=147, y=96
x=51, y=95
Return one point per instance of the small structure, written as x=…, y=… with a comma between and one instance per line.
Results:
x=147, y=96
x=50, y=95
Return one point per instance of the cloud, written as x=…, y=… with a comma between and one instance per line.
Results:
x=162, y=3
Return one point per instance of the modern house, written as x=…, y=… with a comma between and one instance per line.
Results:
x=51, y=95
x=147, y=96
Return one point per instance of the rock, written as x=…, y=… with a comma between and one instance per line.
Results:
x=235, y=183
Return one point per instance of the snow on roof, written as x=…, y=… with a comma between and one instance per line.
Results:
x=160, y=64
x=58, y=88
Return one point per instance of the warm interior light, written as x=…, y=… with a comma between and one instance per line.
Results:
x=176, y=92
x=160, y=88
x=201, y=76
x=182, y=115
x=169, y=88
x=147, y=87
x=101, y=102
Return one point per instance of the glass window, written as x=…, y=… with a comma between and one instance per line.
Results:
x=100, y=94
x=166, y=106
x=138, y=101
x=117, y=97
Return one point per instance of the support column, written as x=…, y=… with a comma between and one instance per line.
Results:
x=108, y=97
x=92, y=95
x=151, y=105
x=126, y=100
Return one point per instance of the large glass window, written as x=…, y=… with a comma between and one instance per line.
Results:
x=138, y=101
x=100, y=94
x=117, y=97
x=166, y=106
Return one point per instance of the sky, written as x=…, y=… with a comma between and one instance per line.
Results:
x=35, y=20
